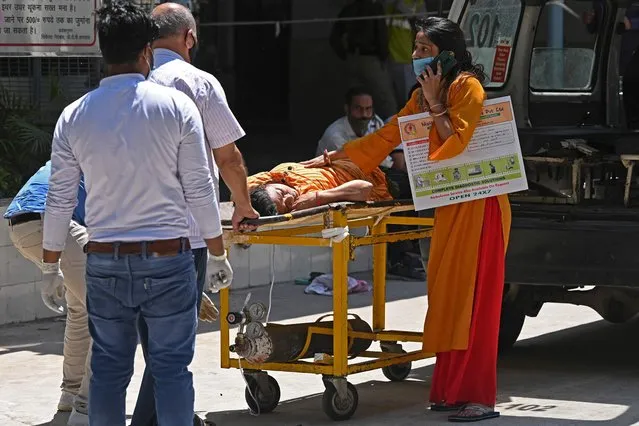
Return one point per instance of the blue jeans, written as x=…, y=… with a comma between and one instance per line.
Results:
x=144, y=413
x=162, y=291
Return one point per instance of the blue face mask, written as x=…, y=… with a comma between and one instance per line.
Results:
x=419, y=65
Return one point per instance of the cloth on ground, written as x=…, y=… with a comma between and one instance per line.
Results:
x=323, y=285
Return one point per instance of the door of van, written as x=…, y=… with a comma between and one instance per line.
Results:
x=568, y=64
x=543, y=54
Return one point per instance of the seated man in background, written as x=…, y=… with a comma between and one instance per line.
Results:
x=291, y=186
x=360, y=120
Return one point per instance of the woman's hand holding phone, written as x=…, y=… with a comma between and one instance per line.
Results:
x=431, y=83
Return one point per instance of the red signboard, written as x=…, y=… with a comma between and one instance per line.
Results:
x=500, y=63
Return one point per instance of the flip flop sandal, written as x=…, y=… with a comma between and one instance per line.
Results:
x=485, y=413
x=445, y=407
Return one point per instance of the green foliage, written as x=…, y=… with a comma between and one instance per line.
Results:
x=25, y=141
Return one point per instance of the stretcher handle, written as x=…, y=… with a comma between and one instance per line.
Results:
x=267, y=220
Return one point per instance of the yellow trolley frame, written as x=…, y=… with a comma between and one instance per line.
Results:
x=296, y=229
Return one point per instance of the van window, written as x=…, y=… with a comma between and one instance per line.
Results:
x=563, y=57
x=490, y=27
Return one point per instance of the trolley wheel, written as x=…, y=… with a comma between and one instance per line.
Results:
x=267, y=399
x=398, y=372
x=340, y=408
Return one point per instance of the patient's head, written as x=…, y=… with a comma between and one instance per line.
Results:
x=273, y=199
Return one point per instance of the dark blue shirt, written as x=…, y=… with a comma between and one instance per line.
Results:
x=32, y=196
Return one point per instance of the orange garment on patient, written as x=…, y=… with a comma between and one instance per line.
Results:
x=305, y=180
x=452, y=264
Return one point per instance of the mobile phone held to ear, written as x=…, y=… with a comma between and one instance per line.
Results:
x=447, y=59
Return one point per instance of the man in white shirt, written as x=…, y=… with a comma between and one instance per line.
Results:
x=173, y=52
x=140, y=147
x=360, y=120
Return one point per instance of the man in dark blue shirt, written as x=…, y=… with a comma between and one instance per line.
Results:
x=24, y=215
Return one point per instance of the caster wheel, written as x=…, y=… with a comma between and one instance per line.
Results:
x=267, y=399
x=340, y=408
x=397, y=373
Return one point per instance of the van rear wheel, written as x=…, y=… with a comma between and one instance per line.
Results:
x=512, y=321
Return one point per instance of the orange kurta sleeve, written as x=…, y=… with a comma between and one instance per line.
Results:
x=465, y=102
x=369, y=151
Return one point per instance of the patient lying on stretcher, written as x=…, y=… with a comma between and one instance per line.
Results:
x=291, y=186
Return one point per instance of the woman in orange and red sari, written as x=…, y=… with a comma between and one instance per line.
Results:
x=468, y=246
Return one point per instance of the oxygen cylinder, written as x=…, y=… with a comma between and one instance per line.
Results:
x=285, y=342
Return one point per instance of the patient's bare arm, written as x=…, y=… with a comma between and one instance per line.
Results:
x=355, y=190
x=325, y=159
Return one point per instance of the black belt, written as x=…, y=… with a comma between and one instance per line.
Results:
x=24, y=218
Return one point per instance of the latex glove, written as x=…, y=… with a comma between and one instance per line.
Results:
x=218, y=272
x=53, y=287
x=208, y=310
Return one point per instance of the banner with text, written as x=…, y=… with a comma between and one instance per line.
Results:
x=48, y=27
x=490, y=165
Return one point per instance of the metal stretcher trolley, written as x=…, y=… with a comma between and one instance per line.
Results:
x=322, y=347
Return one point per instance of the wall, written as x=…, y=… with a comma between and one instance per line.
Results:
x=19, y=295
x=318, y=78
x=20, y=299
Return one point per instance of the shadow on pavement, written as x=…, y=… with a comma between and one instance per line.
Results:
x=378, y=404
x=41, y=337
x=586, y=374
x=582, y=375
x=59, y=419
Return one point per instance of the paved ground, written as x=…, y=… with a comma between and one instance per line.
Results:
x=568, y=368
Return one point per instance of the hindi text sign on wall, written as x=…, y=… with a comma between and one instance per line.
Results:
x=48, y=27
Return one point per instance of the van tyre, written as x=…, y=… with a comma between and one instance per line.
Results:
x=511, y=323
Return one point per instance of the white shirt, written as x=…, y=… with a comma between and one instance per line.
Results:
x=141, y=149
x=220, y=125
x=341, y=131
